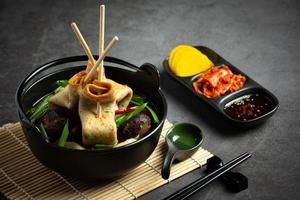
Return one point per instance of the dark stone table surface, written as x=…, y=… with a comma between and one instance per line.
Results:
x=262, y=38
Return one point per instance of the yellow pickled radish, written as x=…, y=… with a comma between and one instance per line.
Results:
x=187, y=61
x=173, y=53
x=190, y=63
x=184, y=49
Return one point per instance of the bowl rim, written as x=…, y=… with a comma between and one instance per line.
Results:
x=23, y=118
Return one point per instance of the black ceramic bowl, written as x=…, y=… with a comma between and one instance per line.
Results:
x=91, y=164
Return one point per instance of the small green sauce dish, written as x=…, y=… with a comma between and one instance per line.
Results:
x=183, y=140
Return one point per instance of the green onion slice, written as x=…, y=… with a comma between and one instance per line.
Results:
x=64, y=135
x=43, y=132
x=62, y=83
x=138, y=99
x=40, y=109
x=153, y=114
x=120, y=120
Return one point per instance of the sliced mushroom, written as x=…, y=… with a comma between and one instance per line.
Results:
x=137, y=126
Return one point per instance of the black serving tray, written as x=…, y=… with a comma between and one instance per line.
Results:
x=250, y=87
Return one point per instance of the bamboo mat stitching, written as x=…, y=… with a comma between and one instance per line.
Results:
x=152, y=167
x=27, y=148
x=133, y=195
x=15, y=184
x=196, y=161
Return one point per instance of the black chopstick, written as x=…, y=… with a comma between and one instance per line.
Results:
x=190, y=189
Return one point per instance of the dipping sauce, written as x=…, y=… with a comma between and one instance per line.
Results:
x=185, y=136
x=248, y=107
x=184, y=140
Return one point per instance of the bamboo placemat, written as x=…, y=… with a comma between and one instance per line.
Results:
x=22, y=176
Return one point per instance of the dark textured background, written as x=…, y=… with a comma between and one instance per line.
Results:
x=261, y=37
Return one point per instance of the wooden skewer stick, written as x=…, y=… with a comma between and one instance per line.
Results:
x=101, y=58
x=101, y=39
x=101, y=49
x=83, y=43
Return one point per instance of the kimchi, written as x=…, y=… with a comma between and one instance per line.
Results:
x=218, y=81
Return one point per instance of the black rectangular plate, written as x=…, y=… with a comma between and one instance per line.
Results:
x=218, y=104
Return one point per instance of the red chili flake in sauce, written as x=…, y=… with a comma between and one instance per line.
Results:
x=248, y=107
